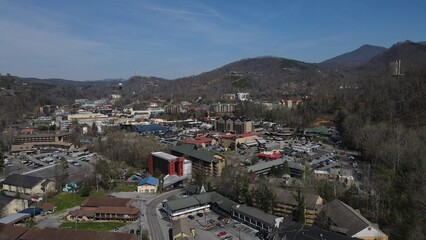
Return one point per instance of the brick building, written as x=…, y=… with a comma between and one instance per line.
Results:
x=166, y=163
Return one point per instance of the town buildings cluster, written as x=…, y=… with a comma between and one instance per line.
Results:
x=201, y=145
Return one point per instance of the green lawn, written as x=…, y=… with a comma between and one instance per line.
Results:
x=67, y=200
x=98, y=226
x=124, y=188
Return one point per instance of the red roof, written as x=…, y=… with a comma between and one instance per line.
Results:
x=270, y=155
x=72, y=234
x=247, y=134
x=228, y=136
x=82, y=212
x=117, y=210
x=198, y=140
x=47, y=206
x=206, y=139
x=11, y=231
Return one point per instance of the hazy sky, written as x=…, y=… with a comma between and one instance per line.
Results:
x=90, y=40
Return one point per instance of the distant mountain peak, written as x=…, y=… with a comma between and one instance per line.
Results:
x=355, y=58
x=410, y=53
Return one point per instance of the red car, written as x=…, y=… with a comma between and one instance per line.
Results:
x=223, y=233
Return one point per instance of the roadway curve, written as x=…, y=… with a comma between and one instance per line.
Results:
x=154, y=228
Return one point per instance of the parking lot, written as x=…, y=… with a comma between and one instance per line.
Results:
x=44, y=163
x=210, y=225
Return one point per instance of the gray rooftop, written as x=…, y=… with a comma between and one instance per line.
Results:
x=24, y=181
x=287, y=197
x=14, y=218
x=256, y=214
x=164, y=156
x=296, y=231
x=345, y=218
x=183, y=203
x=200, y=200
x=267, y=165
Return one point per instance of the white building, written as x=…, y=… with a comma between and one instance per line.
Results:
x=242, y=96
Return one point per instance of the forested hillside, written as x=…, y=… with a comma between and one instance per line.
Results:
x=387, y=123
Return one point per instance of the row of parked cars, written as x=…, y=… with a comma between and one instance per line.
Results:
x=328, y=161
x=32, y=164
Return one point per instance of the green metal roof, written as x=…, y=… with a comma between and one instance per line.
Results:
x=200, y=154
x=182, y=203
x=201, y=199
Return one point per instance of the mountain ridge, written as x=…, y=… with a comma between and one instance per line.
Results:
x=354, y=58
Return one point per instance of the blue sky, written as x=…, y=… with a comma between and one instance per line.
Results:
x=100, y=39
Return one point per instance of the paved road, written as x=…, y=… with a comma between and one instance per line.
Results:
x=154, y=228
x=53, y=220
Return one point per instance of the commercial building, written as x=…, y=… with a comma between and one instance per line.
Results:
x=200, y=142
x=223, y=108
x=26, y=184
x=208, y=162
x=233, y=124
x=296, y=169
x=256, y=218
x=30, y=147
x=166, y=163
x=105, y=209
x=339, y=175
x=173, y=109
x=148, y=185
x=88, y=117
x=51, y=137
x=176, y=208
x=235, y=140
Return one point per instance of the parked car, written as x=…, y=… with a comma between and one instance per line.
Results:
x=199, y=214
x=221, y=234
x=228, y=238
x=191, y=217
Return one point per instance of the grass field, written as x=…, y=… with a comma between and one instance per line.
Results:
x=67, y=200
x=97, y=226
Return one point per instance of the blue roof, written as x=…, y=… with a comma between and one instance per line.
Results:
x=151, y=128
x=32, y=211
x=148, y=180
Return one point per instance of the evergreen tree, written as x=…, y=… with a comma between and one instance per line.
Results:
x=1, y=161
x=299, y=211
x=94, y=129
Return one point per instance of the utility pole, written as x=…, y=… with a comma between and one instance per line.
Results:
x=75, y=219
